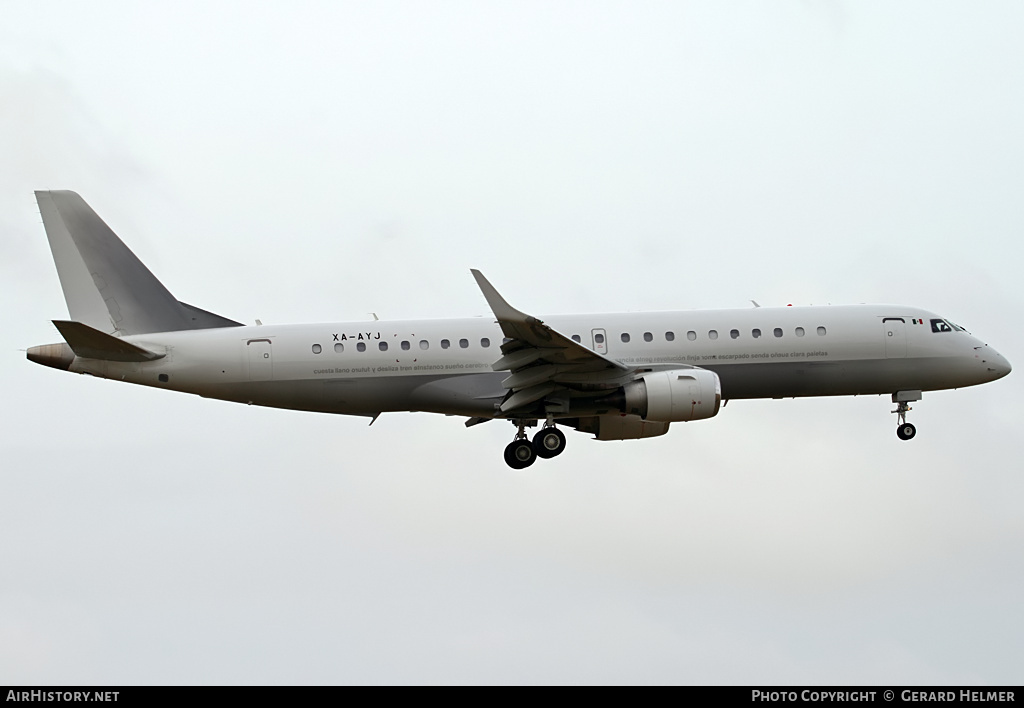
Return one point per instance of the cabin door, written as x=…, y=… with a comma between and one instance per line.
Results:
x=895, y=333
x=261, y=360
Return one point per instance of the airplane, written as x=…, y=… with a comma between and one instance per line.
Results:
x=615, y=376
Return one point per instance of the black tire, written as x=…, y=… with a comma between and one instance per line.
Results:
x=519, y=454
x=548, y=443
x=906, y=431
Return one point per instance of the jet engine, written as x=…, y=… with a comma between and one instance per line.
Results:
x=673, y=396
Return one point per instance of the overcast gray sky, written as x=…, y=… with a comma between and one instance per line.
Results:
x=307, y=162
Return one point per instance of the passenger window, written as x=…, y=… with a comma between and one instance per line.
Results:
x=778, y=332
x=734, y=333
x=599, y=338
x=360, y=346
x=670, y=336
x=339, y=348
x=506, y=340
x=648, y=337
x=799, y=331
x=445, y=344
x=405, y=345
x=576, y=338
x=383, y=346
x=691, y=335
x=317, y=349
x=485, y=342
x=625, y=338
x=424, y=345
x=463, y=343
x=713, y=334
x=755, y=333
x=821, y=331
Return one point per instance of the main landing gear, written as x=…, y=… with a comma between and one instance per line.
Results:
x=905, y=430
x=521, y=452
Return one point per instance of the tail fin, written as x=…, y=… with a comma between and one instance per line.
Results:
x=105, y=285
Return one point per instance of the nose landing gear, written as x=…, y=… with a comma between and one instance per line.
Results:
x=905, y=430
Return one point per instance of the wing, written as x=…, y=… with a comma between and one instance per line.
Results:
x=542, y=361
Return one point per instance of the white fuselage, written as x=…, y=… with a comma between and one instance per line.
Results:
x=616, y=376
x=444, y=366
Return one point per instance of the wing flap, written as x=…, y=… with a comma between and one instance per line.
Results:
x=526, y=396
x=519, y=358
x=530, y=376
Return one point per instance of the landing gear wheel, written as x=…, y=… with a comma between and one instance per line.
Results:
x=519, y=454
x=906, y=431
x=548, y=443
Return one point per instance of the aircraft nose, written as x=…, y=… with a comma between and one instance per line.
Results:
x=997, y=365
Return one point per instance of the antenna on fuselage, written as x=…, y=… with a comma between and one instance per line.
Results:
x=755, y=303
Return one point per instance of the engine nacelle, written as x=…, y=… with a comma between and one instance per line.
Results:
x=621, y=427
x=676, y=395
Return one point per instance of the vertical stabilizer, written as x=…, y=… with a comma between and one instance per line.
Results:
x=105, y=285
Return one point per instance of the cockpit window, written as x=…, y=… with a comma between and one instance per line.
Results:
x=943, y=326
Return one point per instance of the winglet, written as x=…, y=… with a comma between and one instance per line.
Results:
x=499, y=306
x=91, y=343
x=532, y=341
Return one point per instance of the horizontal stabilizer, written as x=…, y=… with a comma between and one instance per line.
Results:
x=91, y=343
